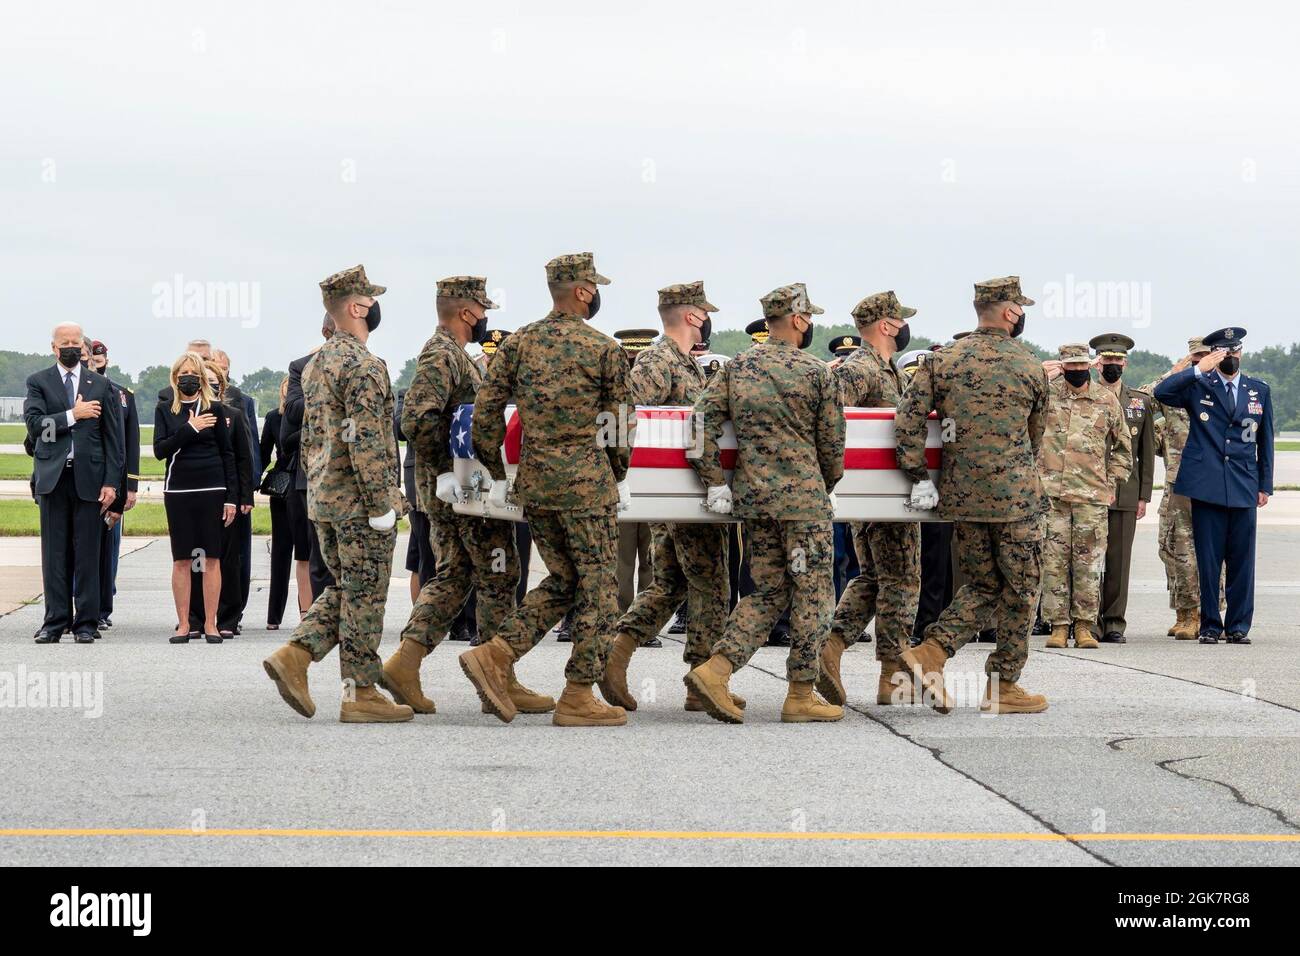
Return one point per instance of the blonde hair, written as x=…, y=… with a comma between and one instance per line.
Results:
x=284, y=391
x=223, y=380
x=205, y=392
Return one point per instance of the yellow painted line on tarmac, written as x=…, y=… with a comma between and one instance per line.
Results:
x=846, y=836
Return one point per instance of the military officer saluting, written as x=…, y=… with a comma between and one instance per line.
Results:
x=888, y=585
x=1227, y=472
x=1083, y=457
x=354, y=497
x=789, y=428
x=1134, y=492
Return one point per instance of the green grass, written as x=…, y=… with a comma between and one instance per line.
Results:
x=12, y=434
x=1286, y=446
x=16, y=465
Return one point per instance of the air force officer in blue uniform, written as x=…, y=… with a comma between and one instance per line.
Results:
x=1227, y=471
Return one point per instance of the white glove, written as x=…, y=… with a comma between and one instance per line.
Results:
x=385, y=521
x=497, y=493
x=718, y=499
x=447, y=488
x=925, y=496
x=624, y=496
x=835, y=502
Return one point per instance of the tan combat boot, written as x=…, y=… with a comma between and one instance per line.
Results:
x=802, y=706
x=709, y=682
x=288, y=668
x=1060, y=636
x=829, y=684
x=401, y=676
x=695, y=705
x=488, y=669
x=578, y=707
x=1178, y=620
x=925, y=662
x=1188, y=627
x=368, y=706
x=1011, y=698
x=613, y=685
x=895, y=684
x=525, y=700
x=1083, y=636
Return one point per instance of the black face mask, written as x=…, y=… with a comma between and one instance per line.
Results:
x=902, y=338
x=1229, y=365
x=69, y=357
x=373, y=316
x=807, y=336
x=706, y=329
x=479, y=330
x=1018, y=327
x=1078, y=377
x=1112, y=373
x=188, y=385
x=594, y=305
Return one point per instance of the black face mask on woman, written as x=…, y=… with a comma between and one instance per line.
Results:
x=1078, y=377
x=188, y=385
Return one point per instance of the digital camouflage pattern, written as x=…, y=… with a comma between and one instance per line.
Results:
x=1085, y=446
x=347, y=434
x=866, y=379
x=789, y=299
x=445, y=378
x=790, y=562
x=887, y=588
x=686, y=293
x=579, y=551
x=570, y=385
x=991, y=395
x=350, y=612
x=789, y=424
x=1073, y=554
x=473, y=288
x=688, y=561
x=349, y=282
x=882, y=305
x=1006, y=289
x=575, y=267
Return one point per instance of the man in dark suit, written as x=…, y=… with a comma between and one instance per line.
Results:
x=290, y=436
x=1227, y=472
x=127, y=487
x=74, y=422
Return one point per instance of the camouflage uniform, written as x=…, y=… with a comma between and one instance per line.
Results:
x=471, y=552
x=888, y=587
x=353, y=474
x=991, y=395
x=566, y=379
x=1085, y=452
x=688, y=560
x=789, y=428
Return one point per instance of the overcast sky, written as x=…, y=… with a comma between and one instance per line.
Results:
x=1136, y=164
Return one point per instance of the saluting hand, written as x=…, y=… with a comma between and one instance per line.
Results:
x=1053, y=368
x=1207, y=364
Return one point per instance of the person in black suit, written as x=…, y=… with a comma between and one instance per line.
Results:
x=200, y=490
x=244, y=520
x=290, y=435
x=72, y=420
x=289, y=544
x=127, y=487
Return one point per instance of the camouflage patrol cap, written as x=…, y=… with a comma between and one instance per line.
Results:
x=686, y=293
x=1196, y=344
x=1111, y=344
x=757, y=331
x=1006, y=289
x=844, y=344
x=788, y=300
x=473, y=288
x=349, y=282
x=1074, y=352
x=882, y=305
x=636, y=340
x=493, y=341
x=575, y=267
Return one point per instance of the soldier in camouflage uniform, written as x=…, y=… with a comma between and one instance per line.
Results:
x=569, y=383
x=354, y=497
x=1177, y=550
x=991, y=395
x=470, y=552
x=688, y=560
x=1084, y=454
x=789, y=429
x=889, y=552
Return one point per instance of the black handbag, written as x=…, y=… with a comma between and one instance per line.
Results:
x=276, y=483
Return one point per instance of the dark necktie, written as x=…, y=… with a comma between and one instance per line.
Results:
x=69, y=389
x=1232, y=398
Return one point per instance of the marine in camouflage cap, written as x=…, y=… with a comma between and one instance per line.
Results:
x=574, y=267
x=1006, y=289
x=686, y=293
x=1074, y=352
x=493, y=341
x=473, y=288
x=349, y=282
x=882, y=305
x=1196, y=344
x=757, y=331
x=789, y=299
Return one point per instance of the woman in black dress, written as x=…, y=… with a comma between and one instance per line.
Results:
x=199, y=490
x=290, y=547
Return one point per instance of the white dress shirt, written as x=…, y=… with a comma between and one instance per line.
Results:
x=76, y=385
